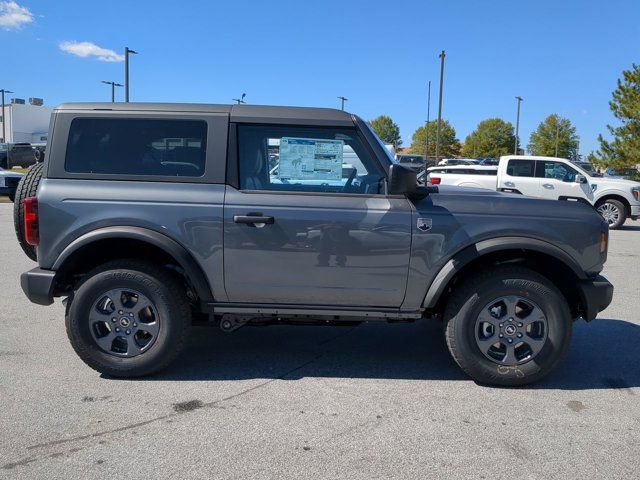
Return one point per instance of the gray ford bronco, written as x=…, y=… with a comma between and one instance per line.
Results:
x=149, y=218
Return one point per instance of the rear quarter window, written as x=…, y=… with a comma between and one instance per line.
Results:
x=521, y=168
x=121, y=146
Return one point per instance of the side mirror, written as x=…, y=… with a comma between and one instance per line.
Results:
x=580, y=179
x=402, y=180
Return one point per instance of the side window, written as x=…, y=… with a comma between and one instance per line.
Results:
x=135, y=146
x=306, y=160
x=557, y=171
x=521, y=168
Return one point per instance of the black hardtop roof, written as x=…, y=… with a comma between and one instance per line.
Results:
x=238, y=113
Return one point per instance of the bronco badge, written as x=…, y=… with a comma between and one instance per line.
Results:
x=424, y=224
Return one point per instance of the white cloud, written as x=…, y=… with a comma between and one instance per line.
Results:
x=13, y=15
x=88, y=49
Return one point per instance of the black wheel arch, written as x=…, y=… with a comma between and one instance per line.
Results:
x=537, y=254
x=154, y=244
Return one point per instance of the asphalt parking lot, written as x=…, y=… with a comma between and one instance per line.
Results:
x=373, y=401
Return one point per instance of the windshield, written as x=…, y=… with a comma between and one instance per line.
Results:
x=3, y=147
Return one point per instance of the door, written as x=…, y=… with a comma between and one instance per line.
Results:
x=309, y=226
x=558, y=182
x=520, y=178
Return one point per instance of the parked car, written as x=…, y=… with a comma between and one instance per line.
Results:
x=17, y=155
x=626, y=174
x=458, y=161
x=488, y=161
x=414, y=162
x=8, y=183
x=557, y=179
x=4, y=150
x=144, y=215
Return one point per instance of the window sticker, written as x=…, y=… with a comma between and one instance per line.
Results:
x=310, y=159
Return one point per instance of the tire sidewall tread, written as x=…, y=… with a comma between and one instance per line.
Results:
x=161, y=288
x=469, y=299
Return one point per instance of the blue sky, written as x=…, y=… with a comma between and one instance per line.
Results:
x=560, y=56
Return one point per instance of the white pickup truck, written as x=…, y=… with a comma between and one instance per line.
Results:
x=548, y=177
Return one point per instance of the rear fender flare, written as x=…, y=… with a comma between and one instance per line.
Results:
x=170, y=246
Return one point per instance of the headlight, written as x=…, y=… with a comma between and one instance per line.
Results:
x=635, y=191
x=2, y=184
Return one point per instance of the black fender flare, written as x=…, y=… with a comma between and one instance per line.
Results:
x=157, y=239
x=472, y=252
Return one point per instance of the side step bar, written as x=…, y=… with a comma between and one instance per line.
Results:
x=310, y=311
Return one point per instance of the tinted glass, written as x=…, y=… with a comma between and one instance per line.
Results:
x=137, y=147
x=521, y=168
x=557, y=171
x=306, y=160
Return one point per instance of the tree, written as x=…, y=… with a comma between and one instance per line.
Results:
x=424, y=140
x=554, y=137
x=492, y=138
x=624, y=150
x=387, y=130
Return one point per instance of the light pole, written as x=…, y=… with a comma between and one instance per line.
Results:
x=241, y=99
x=515, y=148
x=113, y=89
x=557, y=134
x=441, y=56
x=127, y=51
x=343, y=99
x=426, y=131
x=4, y=120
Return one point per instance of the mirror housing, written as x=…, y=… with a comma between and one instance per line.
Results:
x=580, y=179
x=402, y=180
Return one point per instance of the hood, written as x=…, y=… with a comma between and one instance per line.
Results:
x=477, y=201
x=614, y=181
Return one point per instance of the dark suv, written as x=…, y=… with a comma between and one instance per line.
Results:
x=148, y=216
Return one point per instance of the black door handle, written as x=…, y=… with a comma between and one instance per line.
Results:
x=253, y=219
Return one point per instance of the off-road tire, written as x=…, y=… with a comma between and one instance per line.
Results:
x=160, y=287
x=471, y=296
x=27, y=187
x=621, y=208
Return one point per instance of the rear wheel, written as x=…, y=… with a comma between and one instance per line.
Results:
x=509, y=326
x=27, y=187
x=613, y=212
x=128, y=319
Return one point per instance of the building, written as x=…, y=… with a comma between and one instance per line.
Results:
x=25, y=122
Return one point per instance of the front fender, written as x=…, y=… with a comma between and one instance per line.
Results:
x=484, y=247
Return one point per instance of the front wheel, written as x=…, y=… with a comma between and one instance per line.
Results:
x=613, y=212
x=508, y=326
x=128, y=319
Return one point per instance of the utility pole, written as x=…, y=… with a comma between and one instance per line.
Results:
x=426, y=128
x=4, y=118
x=515, y=148
x=127, y=51
x=113, y=89
x=441, y=56
x=240, y=100
x=343, y=99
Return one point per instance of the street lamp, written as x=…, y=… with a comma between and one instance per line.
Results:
x=127, y=51
x=515, y=148
x=442, y=57
x=426, y=131
x=113, y=89
x=4, y=120
x=240, y=100
x=342, y=99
